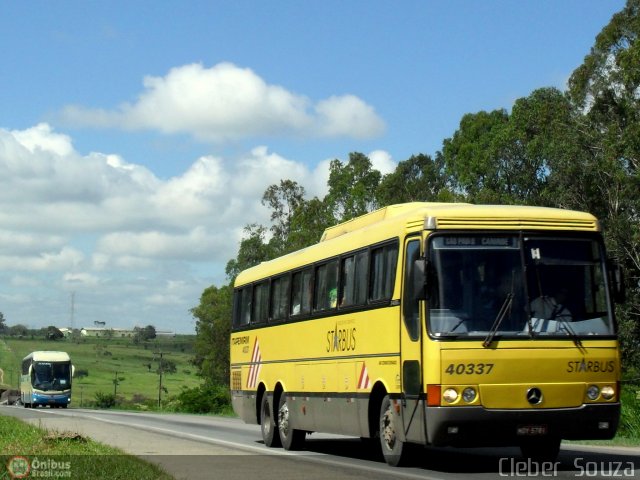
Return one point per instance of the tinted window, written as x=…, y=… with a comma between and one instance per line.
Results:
x=260, y=302
x=354, y=280
x=383, y=269
x=301, y=292
x=279, y=296
x=245, y=306
x=326, y=286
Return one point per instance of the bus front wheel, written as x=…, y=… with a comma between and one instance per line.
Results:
x=268, y=424
x=394, y=450
x=291, y=438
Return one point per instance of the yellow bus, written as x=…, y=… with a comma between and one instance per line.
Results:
x=433, y=324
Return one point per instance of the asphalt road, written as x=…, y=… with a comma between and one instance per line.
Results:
x=205, y=447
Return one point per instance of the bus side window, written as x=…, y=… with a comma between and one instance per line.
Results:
x=326, y=286
x=260, y=303
x=348, y=282
x=362, y=271
x=354, y=280
x=245, y=306
x=279, y=296
x=301, y=292
x=237, y=297
x=383, y=269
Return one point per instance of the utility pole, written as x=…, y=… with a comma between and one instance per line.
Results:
x=115, y=385
x=73, y=308
x=160, y=384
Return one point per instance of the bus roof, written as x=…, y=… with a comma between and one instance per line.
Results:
x=48, y=356
x=394, y=220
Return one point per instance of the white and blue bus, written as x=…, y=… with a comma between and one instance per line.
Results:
x=46, y=379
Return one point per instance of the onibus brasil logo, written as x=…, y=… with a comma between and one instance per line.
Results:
x=22, y=467
x=18, y=467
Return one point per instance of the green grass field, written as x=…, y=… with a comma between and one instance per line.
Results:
x=106, y=359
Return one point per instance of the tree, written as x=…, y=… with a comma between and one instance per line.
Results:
x=470, y=156
x=212, y=329
x=418, y=179
x=284, y=200
x=18, y=330
x=308, y=223
x=166, y=366
x=144, y=334
x=3, y=326
x=253, y=250
x=604, y=92
x=352, y=187
x=52, y=333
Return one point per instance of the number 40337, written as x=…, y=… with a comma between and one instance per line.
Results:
x=469, y=368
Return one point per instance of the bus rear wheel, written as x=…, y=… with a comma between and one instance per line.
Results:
x=268, y=424
x=291, y=438
x=394, y=450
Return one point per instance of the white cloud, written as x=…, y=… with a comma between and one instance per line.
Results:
x=382, y=161
x=76, y=280
x=131, y=245
x=348, y=114
x=227, y=102
x=66, y=258
x=41, y=137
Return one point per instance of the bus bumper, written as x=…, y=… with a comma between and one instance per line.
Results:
x=478, y=426
x=50, y=399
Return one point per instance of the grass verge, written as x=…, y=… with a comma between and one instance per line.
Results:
x=27, y=449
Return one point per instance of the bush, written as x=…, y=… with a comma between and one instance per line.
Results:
x=203, y=399
x=630, y=416
x=81, y=372
x=105, y=400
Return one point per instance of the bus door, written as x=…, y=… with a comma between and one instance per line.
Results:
x=411, y=349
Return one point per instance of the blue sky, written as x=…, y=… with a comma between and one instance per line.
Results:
x=137, y=138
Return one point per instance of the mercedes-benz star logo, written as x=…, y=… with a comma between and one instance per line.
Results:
x=534, y=396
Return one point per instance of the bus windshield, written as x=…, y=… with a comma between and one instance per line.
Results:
x=486, y=285
x=51, y=375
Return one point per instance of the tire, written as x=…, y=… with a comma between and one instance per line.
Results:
x=394, y=450
x=541, y=449
x=290, y=438
x=268, y=424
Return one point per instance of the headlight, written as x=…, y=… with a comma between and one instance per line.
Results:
x=450, y=395
x=469, y=394
x=608, y=392
x=593, y=392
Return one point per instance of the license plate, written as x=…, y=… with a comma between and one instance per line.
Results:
x=532, y=430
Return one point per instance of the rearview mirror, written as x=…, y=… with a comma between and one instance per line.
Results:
x=419, y=279
x=616, y=282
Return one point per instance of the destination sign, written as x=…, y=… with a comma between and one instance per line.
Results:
x=475, y=242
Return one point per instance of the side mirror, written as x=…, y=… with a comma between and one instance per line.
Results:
x=414, y=289
x=419, y=279
x=616, y=281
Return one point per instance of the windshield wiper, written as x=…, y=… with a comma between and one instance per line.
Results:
x=570, y=331
x=506, y=307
